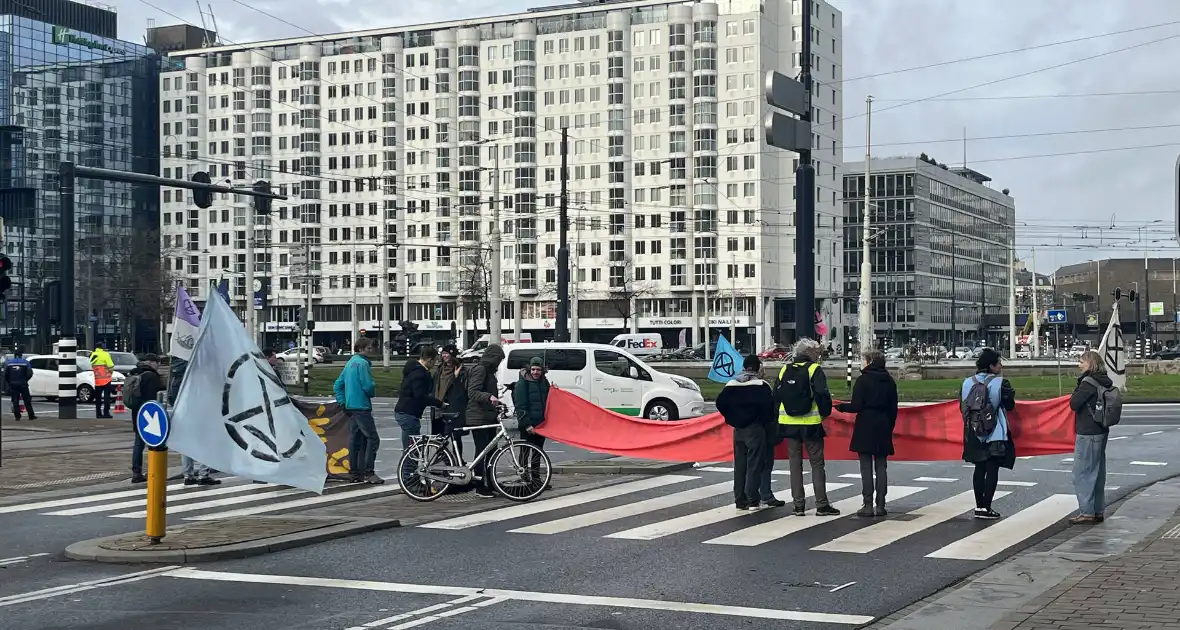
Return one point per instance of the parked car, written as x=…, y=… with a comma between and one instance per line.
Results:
x=1170, y=354
x=44, y=383
x=299, y=355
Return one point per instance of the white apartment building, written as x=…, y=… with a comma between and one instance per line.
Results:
x=412, y=140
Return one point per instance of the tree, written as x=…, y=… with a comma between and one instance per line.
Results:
x=475, y=285
x=624, y=290
x=129, y=276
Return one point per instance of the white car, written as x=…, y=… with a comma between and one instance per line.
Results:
x=300, y=355
x=44, y=383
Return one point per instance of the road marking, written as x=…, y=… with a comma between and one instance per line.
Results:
x=415, y=613
x=1067, y=460
x=215, y=503
x=298, y=503
x=1018, y=484
x=548, y=505
x=723, y=469
x=1056, y=470
x=1149, y=463
x=69, y=589
x=1121, y=437
x=936, y=479
x=19, y=559
x=142, y=502
x=1007, y=532
x=90, y=498
x=1113, y=487
x=440, y=616
x=850, y=476
x=1153, y=433
x=530, y=596
x=698, y=519
x=626, y=510
x=885, y=533
x=773, y=530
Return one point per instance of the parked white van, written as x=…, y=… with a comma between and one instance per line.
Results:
x=609, y=377
x=639, y=344
x=484, y=341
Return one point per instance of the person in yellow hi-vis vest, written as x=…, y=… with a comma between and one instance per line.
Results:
x=104, y=371
x=804, y=401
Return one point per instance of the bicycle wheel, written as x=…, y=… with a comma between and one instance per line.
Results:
x=423, y=455
x=525, y=474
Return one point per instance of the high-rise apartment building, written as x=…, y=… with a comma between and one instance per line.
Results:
x=405, y=150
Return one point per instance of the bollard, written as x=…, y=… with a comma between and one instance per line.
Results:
x=119, y=407
x=157, y=483
x=848, y=348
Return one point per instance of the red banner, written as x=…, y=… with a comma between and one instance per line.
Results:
x=924, y=433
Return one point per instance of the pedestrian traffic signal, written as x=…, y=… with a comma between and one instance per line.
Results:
x=202, y=198
x=301, y=317
x=5, y=269
x=262, y=204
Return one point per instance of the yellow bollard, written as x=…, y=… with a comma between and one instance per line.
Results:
x=157, y=483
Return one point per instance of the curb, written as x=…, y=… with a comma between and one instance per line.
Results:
x=619, y=466
x=91, y=551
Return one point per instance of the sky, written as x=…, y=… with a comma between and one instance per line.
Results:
x=1053, y=123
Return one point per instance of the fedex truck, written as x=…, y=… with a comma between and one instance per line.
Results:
x=639, y=344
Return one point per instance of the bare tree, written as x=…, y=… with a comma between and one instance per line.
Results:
x=475, y=285
x=129, y=274
x=624, y=290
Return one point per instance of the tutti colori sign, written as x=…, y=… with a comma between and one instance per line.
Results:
x=63, y=36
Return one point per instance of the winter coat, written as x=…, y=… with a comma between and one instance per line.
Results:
x=747, y=401
x=455, y=397
x=150, y=385
x=443, y=375
x=1082, y=402
x=976, y=451
x=874, y=401
x=482, y=386
x=529, y=397
x=17, y=372
x=417, y=390
x=354, y=388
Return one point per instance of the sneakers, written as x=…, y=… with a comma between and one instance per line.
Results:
x=800, y=510
x=880, y=511
x=138, y=478
x=865, y=511
x=1084, y=519
x=208, y=481
x=827, y=510
x=374, y=480
x=986, y=514
x=743, y=507
x=484, y=493
x=774, y=503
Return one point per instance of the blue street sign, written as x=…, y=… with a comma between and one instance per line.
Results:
x=1056, y=316
x=152, y=424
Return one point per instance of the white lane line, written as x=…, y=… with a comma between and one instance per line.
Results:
x=850, y=476
x=548, y=505
x=885, y=533
x=530, y=596
x=299, y=503
x=414, y=613
x=1007, y=532
x=842, y=587
x=1149, y=463
x=723, y=469
x=936, y=479
x=79, y=587
x=439, y=617
x=142, y=502
x=626, y=510
x=1018, y=484
x=695, y=520
x=1113, y=487
x=1122, y=474
x=1056, y=470
x=1153, y=433
x=90, y=498
x=216, y=503
x=19, y=559
x=773, y=530
x=1067, y=460
x=1121, y=437
x=1026, y=457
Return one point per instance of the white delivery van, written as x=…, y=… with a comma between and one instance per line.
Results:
x=609, y=377
x=639, y=344
x=484, y=341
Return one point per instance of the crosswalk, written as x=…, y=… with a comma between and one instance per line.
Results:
x=234, y=497
x=927, y=513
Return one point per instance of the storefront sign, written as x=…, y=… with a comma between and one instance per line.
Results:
x=63, y=36
x=663, y=322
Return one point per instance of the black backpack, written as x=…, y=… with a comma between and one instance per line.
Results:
x=979, y=416
x=793, y=390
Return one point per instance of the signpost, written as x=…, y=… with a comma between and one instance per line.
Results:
x=152, y=425
x=1056, y=316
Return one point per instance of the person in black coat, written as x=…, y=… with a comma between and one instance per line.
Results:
x=874, y=401
x=747, y=404
x=1089, y=460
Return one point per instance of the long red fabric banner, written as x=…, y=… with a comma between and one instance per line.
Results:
x=931, y=432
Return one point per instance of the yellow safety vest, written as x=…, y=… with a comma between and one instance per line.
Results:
x=812, y=416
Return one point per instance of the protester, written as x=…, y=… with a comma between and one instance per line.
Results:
x=747, y=404
x=354, y=390
x=415, y=395
x=482, y=399
x=1089, y=462
x=529, y=398
x=104, y=369
x=874, y=401
x=444, y=373
x=985, y=401
x=17, y=374
x=143, y=384
x=804, y=401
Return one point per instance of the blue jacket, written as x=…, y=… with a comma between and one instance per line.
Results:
x=994, y=391
x=354, y=387
x=17, y=372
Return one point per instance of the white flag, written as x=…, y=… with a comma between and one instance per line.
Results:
x=1114, y=352
x=233, y=414
x=185, y=322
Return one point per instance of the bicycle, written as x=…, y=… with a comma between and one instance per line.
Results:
x=433, y=463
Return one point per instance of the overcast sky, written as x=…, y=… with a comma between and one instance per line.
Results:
x=1056, y=196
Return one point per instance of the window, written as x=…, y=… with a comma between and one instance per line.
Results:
x=560, y=360
x=615, y=364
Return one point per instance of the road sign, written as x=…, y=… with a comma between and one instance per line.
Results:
x=1056, y=316
x=152, y=424
x=1155, y=309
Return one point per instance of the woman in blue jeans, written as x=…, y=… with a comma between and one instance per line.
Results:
x=1089, y=462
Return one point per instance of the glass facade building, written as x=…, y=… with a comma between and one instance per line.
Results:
x=69, y=95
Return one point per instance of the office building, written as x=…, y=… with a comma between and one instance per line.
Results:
x=424, y=135
x=1086, y=290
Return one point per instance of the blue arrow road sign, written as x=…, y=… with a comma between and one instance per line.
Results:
x=1056, y=317
x=152, y=424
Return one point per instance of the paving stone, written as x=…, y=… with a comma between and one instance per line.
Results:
x=219, y=533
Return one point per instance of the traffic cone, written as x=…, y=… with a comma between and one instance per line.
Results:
x=23, y=411
x=119, y=408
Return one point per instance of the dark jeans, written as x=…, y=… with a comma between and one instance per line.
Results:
x=482, y=438
x=362, y=448
x=410, y=426
x=530, y=459
x=987, y=475
x=137, y=448
x=749, y=460
x=870, y=464
x=819, y=477
x=18, y=394
x=102, y=399
x=764, y=491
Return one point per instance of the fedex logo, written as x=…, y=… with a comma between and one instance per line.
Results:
x=641, y=343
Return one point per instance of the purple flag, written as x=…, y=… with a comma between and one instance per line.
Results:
x=185, y=323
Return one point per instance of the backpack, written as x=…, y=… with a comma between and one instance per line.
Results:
x=979, y=415
x=793, y=390
x=131, y=394
x=1108, y=407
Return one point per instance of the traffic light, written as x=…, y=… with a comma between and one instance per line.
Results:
x=5, y=269
x=202, y=198
x=301, y=317
x=262, y=204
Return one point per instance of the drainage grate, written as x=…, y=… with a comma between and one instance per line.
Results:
x=1172, y=533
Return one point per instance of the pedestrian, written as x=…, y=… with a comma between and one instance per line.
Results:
x=483, y=390
x=1089, y=461
x=804, y=401
x=529, y=398
x=104, y=369
x=874, y=401
x=17, y=374
x=747, y=404
x=444, y=373
x=143, y=384
x=985, y=400
x=416, y=394
x=354, y=390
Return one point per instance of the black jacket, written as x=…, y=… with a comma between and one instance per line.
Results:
x=874, y=401
x=482, y=385
x=150, y=385
x=417, y=391
x=746, y=401
x=976, y=452
x=823, y=403
x=1082, y=402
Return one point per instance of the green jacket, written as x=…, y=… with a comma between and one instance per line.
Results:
x=529, y=398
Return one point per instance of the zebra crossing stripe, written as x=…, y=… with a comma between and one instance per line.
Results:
x=89, y=498
x=626, y=510
x=215, y=503
x=781, y=527
x=691, y=521
x=1009, y=531
x=142, y=501
x=299, y=503
x=885, y=533
x=570, y=500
